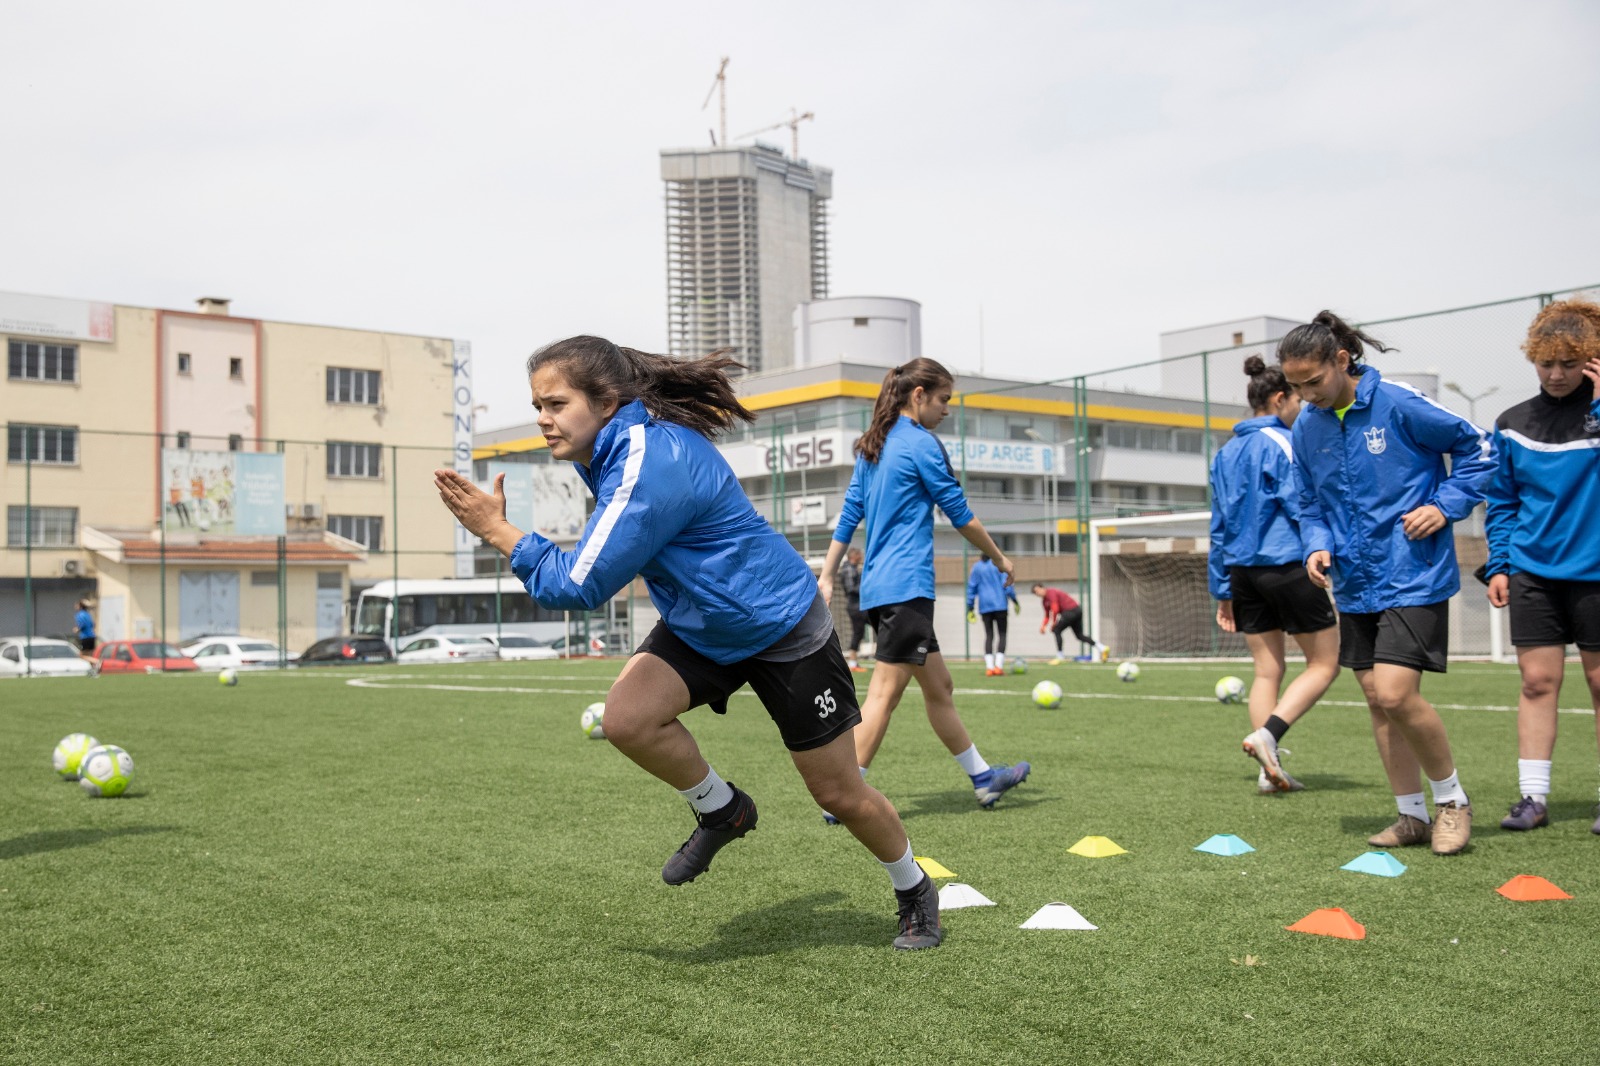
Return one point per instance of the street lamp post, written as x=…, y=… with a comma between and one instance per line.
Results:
x=1472, y=399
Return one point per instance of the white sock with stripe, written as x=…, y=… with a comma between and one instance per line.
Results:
x=1414, y=804
x=710, y=795
x=904, y=872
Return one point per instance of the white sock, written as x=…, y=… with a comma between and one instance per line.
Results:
x=972, y=762
x=1413, y=804
x=1448, y=791
x=712, y=794
x=1533, y=777
x=863, y=770
x=904, y=871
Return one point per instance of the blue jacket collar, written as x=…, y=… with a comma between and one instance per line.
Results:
x=1256, y=424
x=612, y=436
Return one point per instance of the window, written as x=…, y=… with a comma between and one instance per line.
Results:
x=346, y=459
x=184, y=363
x=264, y=578
x=353, y=386
x=1238, y=338
x=1188, y=441
x=365, y=530
x=236, y=368
x=57, y=445
x=235, y=442
x=50, y=527
x=37, y=361
x=183, y=440
x=862, y=322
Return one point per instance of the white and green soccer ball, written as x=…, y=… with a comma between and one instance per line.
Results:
x=106, y=771
x=1230, y=690
x=229, y=677
x=1047, y=694
x=1019, y=666
x=1128, y=671
x=593, y=721
x=69, y=754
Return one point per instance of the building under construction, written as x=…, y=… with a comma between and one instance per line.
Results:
x=747, y=242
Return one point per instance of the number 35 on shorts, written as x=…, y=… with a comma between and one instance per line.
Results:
x=826, y=703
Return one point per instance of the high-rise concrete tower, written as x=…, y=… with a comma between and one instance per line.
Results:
x=747, y=242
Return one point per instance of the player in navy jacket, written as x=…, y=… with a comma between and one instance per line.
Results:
x=1257, y=571
x=738, y=605
x=1376, y=504
x=901, y=473
x=1544, y=547
x=987, y=593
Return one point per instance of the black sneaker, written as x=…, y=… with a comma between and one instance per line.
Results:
x=919, y=917
x=710, y=837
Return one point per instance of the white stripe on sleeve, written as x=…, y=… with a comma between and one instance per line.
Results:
x=1282, y=441
x=614, y=509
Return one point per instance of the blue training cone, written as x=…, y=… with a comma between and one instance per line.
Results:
x=1378, y=863
x=1224, y=844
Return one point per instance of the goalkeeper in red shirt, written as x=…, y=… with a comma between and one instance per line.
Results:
x=1061, y=612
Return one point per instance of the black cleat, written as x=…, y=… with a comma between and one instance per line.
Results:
x=919, y=917
x=710, y=837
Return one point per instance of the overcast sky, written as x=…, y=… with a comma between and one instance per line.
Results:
x=1090, y=174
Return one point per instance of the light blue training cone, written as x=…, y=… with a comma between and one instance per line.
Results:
x=1224, y=844
x=1380, y=863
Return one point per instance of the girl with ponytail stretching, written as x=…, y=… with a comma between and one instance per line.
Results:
x=738, y=605
x=901, y=472
x=1376, y=503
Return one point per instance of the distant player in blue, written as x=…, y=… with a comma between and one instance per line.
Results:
x=1376, y=504
x=1257, y=570
x=83, y=622
x=738, y=605
x=901, y=473
x=1544, y=536
x=987, y=592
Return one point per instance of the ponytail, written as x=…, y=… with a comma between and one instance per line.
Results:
x=1323, y=338
x=1265, y=382
x=898, y=385
x=691, y=392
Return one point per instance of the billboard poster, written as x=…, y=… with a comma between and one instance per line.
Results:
x=222, y=493
x=53, y=316
x=560, y=501
x=518, y=489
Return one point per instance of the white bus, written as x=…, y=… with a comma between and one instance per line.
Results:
x=402, y=611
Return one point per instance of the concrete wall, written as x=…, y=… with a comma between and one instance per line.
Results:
x=877, y=330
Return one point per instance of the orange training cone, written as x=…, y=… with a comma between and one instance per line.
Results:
x=1526, y=887
x=1330, y=921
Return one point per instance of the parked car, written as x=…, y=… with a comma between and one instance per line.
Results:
x=41, y=657
x=517, y=646
x=596, y=643
x=141, y=657
x=447, y=649
x=234, y=652
x=346, y=651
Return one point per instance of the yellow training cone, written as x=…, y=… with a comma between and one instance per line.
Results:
x=932, y=868
x=1097, y=848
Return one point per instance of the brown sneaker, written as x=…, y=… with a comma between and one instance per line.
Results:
x=1404, y=833
x=1452, y=828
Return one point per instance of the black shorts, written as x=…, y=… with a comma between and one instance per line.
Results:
x=905, y=631
x=86, y=645
x=812, y=700
x=1549, y=611
x=1266, y=598
x=1418, y=637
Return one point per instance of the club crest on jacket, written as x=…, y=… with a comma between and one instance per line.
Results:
x=1375, y=442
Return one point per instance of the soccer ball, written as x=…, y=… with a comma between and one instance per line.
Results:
x=229, y=677
x=106, y=771
x=1047, y=694
x=1128, y=671
x=1019, y=666
x=69, y=754
x=1230, y=690
x=593, y=721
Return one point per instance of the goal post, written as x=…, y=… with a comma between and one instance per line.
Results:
x=1148, y=591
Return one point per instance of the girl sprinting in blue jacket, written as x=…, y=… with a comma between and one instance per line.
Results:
x=1257, y=571
x=901, y=472
x=1376, y=504
x=738, y=605
x=1544, y=547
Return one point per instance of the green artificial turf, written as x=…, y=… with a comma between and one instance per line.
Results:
x=307, y=870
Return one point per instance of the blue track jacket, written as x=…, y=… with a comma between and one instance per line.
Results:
x=1253, y=501
x=668, y=509
x=1544, y=497
x=987, y=588
x=1357, y=477
x=896, y=495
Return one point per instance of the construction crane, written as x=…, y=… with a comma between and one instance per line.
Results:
x=720, y=88
x=793, y=122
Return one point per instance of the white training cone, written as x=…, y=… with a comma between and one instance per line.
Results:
x=956, y=895
x=1057, y=916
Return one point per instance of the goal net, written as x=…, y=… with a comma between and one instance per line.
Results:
x=1148, y=595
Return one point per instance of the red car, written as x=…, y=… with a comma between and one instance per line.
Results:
x=140, y=657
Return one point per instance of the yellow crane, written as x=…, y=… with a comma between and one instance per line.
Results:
x=793, y=122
